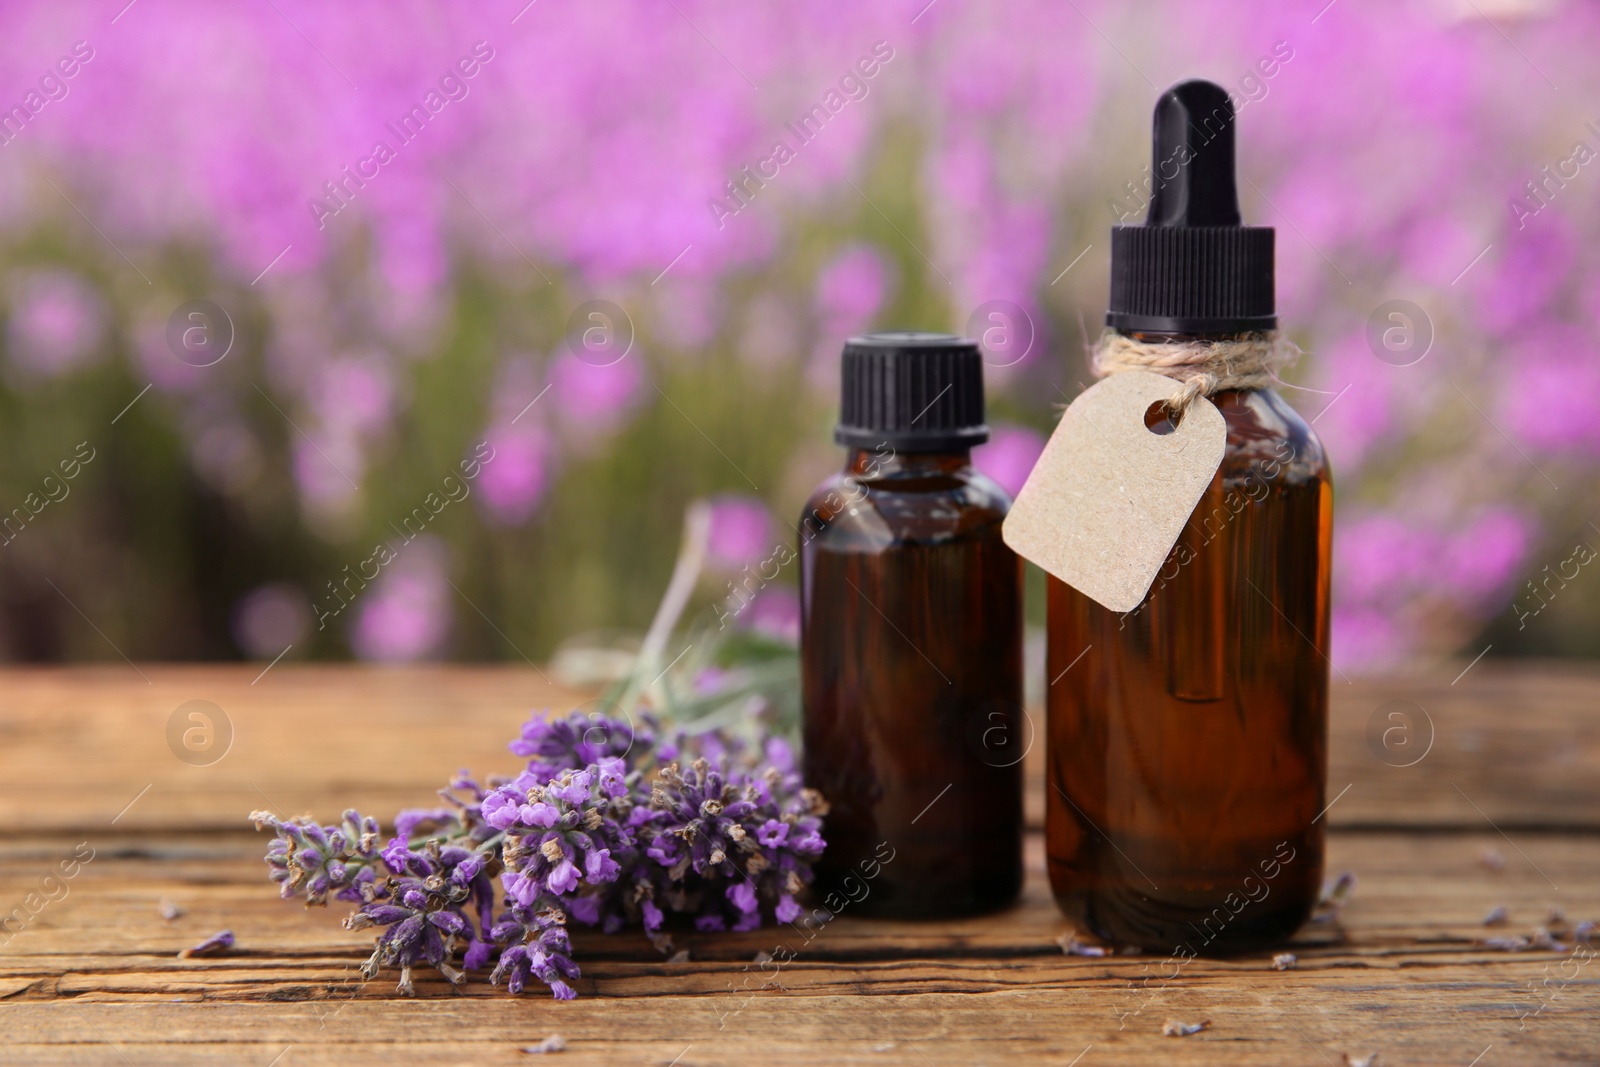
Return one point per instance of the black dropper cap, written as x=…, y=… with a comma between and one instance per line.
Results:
x=1192, y=268
x=915, y=392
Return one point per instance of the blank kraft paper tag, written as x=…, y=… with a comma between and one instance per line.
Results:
x=1108, y=497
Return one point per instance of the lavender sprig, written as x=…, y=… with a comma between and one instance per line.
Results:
x=603, y=827
x=311, y=860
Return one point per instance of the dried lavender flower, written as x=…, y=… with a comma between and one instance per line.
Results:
x=215, y=945
x=1285, y=961
x=1491, y=858
x=170, y=911
x=1543, y=938
x=1178, y=1028
x=602, y=827
x=1497, y=915
x=1071, y=946
x=1369, y=1060
x=1335, y=895
x=1507, y=944
x=553, y=1043
x=1584, y=931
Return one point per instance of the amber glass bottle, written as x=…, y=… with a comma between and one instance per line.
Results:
x=911, y=643
x=1187, y=737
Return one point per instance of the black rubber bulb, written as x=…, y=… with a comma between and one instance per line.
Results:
x=1192, y=158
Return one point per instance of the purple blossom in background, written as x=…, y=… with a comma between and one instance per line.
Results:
x=1389, y=570
x=850, y=290
x=1363, y=415
x=1367, y=637
x=775, y=611
x=270, y=618
x=56, y=323
x=708, y=680
x=1017, y=139
x=158, y=363
x=405, y=615
x=227, y=456
x=593, y=399
x=741, y=531
x=328, y=467
x=1484, y=554
x=1381, y=556
x=1009, y=455
x=1549, y=397
x=512, y=484
x=354, y=394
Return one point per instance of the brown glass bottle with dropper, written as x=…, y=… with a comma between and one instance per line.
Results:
x=911, y=643
x=1187, y=750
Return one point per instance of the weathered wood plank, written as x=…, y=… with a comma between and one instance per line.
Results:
x=1415, y=892
x=93, y=978
x=1415, y=923
x=1522, y=745
x=1302, y=1019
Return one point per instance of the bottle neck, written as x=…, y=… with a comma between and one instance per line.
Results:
x=889, y=463
x=1224, y=398
x=1150, y=338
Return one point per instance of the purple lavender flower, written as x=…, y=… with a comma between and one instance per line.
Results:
x=313, y=861
x=553, y=746
x=578, y=835
x=215, y=945
x=423, y=911
x=542, y=951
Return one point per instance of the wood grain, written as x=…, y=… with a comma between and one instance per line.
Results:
x=94, y=978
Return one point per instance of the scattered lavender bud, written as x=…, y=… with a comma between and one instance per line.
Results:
x=215, y=945
x=170, y=911
x=1369, y=1060
x=1507, y=944
x=1071, y=946
x=1335, y=895
x=1556, y=917
x=680, y=956
x=1177, y=1028
x=1497, y=915
x=1492, y=859
x=553, y=1043
x=1584, y=931
x=1285, y=961
x=761, y=957
x=1542, y=938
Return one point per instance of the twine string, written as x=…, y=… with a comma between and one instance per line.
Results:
x=1201, y=368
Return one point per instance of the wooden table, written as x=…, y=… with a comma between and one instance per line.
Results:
x=1514, y=767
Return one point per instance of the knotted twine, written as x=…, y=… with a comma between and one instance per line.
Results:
x=1202, y=368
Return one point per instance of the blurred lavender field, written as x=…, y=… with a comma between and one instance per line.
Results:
x=494, y=290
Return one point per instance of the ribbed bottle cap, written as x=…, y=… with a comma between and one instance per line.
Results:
x=1192, y=267
x=915, y=392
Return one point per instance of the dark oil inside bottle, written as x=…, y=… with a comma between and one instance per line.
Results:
x=911, y=616
x=1187, y=755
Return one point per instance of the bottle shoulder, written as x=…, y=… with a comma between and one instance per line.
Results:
x=1264, y=431
x=849, y=512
